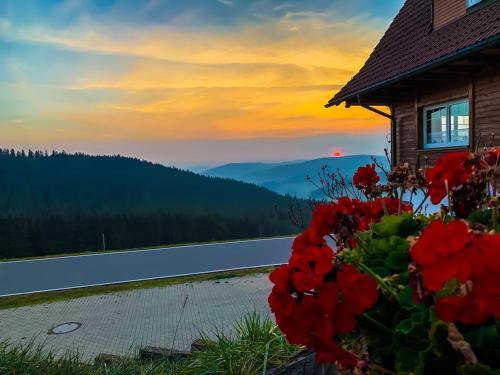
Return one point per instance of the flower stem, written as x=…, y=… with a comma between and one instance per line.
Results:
x=386, y=329
x=379, y=325
x=417, y=210
x=373, y=365
x=386, y=287
x=384, y=207
x=401, y=192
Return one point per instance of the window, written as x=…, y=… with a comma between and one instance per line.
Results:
x=472, y=2
x=446, y=125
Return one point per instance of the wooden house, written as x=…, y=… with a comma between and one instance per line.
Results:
x=437, y=69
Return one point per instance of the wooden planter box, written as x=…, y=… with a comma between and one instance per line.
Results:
x=303, y=363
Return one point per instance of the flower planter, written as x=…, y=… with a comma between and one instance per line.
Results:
x=108, y=359
x=303, y=363
x=153, y=353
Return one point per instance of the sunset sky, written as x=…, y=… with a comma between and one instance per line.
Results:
x=186, y=82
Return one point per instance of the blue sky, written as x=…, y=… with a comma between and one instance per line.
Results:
x=180, y=81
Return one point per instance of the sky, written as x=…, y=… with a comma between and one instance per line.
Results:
x=188, y=82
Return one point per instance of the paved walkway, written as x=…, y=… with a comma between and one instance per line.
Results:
x=119, y=323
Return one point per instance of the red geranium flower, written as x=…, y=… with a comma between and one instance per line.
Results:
x=345, y=217
x=443, y=253
x=323, y=221
x=316, y=318
x=366, y=178
x=487, y=289
x=330, y=352
x=359, y=293
x=478, y=305
x=468, y=309
x=489, y=245
x=392, y=205
x=280, y=278
x=451, y=169
x=449, y=251
x=307, y=240
x=309, y=268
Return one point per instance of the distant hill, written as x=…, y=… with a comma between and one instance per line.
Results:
x=290, y=177
x=66, y=202
x=243, y=171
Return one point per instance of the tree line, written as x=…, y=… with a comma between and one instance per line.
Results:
x=23, y=236
x=59, y=202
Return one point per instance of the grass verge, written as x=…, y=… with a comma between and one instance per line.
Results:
x=256, y=345
x=31, y=359
x=48, y=297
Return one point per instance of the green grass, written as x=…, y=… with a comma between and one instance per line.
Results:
x=48, y=297
x=33, y=360
x=256, y=345
x=139, y=248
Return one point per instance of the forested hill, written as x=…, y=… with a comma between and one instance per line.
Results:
x=34, y=183
x=62, y=203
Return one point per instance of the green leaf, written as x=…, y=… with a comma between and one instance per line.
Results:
x=406, y=360
x=439, y=340
x=439, y=358
x=388, y=226
x=397, y=261
x=405, y=327
x=403, y=225
x=381, y=271
x=433, y=319
x=418, y=322
x=481, y=216
x=449, y=288
x=399, y=244
x=479, y=369
x=409, y=226
x=429, y=364
x=406, y=299
x=485, y=341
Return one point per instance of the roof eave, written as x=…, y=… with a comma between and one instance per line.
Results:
x=443, y=60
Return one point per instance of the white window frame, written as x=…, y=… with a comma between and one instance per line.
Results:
x=448, y=142
x=471, y=3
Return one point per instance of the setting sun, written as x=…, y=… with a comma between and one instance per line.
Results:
x=337, y=152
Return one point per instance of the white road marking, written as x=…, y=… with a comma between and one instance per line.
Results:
x=143, y=250
x=145, y=279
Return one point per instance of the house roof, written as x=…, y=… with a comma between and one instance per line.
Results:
x=410, y=45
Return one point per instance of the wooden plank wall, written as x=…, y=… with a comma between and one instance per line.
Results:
x=484, y=94
x=406, y=136
x=487, y=109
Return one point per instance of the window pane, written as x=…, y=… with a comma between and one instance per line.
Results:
x=459, y=123
x=436, y=126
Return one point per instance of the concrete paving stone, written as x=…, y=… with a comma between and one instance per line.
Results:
x=120, y=323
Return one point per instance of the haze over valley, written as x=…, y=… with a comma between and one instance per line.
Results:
x=291, y=177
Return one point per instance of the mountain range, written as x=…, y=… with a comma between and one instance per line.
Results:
x=291, y=177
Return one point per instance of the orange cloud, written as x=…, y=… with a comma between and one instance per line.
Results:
x=262, y=80
x=231, y=113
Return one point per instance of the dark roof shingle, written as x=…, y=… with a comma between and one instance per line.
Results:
x=410, y=44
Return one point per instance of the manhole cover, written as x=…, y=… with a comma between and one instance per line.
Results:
x=65, y=328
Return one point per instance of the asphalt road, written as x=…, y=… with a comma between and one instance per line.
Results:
x=40, y=275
